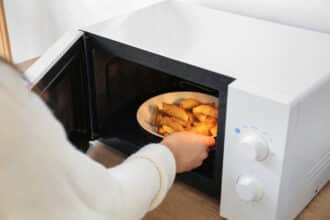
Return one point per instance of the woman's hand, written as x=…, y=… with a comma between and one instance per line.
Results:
x=189, y=149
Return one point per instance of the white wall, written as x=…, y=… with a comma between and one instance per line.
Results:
x=309, y=14
x=34, y=25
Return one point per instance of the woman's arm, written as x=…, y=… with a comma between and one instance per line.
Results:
x=145, y=179
x=43, y=175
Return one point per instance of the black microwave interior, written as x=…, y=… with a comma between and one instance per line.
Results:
x=124, y=81
x=97, y=87
x=122, y=86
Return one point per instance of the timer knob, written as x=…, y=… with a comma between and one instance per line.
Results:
x=255, y=147
x=249, y=189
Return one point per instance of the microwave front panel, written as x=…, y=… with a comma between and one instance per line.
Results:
x=60, y=78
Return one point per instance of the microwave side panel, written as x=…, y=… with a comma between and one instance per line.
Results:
x=250, y=187
x=306, y=168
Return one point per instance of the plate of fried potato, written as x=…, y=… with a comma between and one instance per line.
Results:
x=179, y=111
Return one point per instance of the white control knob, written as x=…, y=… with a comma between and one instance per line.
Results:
x=254, y=146
x=249, y=189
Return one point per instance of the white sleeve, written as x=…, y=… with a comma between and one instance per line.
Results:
x=43, y=175
x=145, y=178
x=127, y=191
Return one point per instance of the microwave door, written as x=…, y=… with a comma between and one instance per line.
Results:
x=60, y=78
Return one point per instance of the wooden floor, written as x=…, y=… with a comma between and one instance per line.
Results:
x=184, y=202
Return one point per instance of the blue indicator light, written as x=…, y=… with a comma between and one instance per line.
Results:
x=237, y=130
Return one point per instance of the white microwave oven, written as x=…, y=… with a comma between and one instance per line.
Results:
x=272, y=152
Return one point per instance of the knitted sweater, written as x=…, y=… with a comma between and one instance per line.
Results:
x=43, y=177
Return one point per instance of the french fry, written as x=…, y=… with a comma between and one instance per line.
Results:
x=163, y=119
x=202, y=129
x=200, y=117
x=156, y=116
x=214, y=131
x=188, y=115
x=210, y=120
x=175, y=111
x=190, y=120
x=162, y=131
x=171, y=122
x=188, y=104
x=206, y=110
x=166, y=130
x=204, y=124
x=184, y=124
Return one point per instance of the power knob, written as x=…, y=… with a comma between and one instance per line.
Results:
x=249, y=189
x=254, y=147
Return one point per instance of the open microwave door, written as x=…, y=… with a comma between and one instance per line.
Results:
x=60, y=78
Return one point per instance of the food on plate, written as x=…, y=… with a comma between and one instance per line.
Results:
x=208, y=110
x=174, y=123
x=156, y=116
x=200, y=117
x=188, y=104
x=187, y=115
x=201, y=128
x=165, y=130
x=207, y=120
x=214, y=130
x=175, y=111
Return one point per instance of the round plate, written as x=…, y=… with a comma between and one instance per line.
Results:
x=145, y=111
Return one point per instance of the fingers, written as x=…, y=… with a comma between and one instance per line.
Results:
x=205, y=140
x=210, y=141
x=204, y=155
x=195, y=164
x=201, y=160
x=189, y=149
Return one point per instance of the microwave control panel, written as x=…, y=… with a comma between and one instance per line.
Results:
x=253, y=156
x=253, y=142
x=255, y=145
